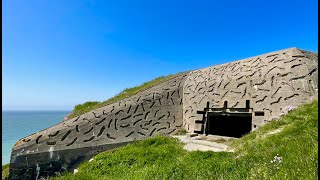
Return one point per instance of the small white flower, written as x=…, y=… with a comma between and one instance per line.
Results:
x=75, y=171
x=91, y=160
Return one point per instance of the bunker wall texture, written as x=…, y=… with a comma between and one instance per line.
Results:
x=273, y=83
x=157, y=110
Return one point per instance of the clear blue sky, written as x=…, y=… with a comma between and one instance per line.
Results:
x=58, y=53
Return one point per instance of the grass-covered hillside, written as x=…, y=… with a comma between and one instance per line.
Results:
x=91, y=105
x=5, y=171
x=284, y=149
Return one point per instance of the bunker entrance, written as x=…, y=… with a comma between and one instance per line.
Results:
x=229, y=124
x=224, y=121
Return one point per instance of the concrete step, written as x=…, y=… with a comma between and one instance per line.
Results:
x=192, y=134
x=199, y=147
x=195, y=143
x=216, y=137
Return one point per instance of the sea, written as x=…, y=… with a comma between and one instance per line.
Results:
x=19, y=124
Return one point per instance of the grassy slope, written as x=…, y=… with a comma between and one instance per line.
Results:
x=91, y=105
x=164, y=158
x=5, y=171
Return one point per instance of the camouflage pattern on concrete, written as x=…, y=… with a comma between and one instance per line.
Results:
x=273, y=82
x=157, y=110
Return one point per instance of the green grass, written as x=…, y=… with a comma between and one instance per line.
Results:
x=91, y=105
x=5, y=171
x=163, y=157
x=181, y=131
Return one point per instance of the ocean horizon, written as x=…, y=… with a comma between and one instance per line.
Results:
x=17, y=124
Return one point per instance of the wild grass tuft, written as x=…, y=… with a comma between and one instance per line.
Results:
x=5, y=171
x=181, y=131
x=91, y=105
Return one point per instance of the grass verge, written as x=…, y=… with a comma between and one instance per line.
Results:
x=91, y=105
x=291, y=153
x=5, y=171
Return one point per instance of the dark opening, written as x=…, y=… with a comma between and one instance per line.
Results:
x=259, y=113
x=225, y=104
x=229, y=124
x=247, y=104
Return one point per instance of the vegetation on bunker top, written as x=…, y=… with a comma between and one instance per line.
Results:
x=128, y=92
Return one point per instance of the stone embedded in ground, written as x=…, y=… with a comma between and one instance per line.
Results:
x=254, y=91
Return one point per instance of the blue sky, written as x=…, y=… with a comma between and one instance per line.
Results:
x=56, y=54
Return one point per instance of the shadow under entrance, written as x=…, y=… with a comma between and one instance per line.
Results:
x=229, y=124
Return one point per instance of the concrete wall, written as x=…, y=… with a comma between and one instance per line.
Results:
x=157, y=110
x=271, y=82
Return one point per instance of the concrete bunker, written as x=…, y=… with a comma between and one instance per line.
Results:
x=258, y=89
x=231, y=122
